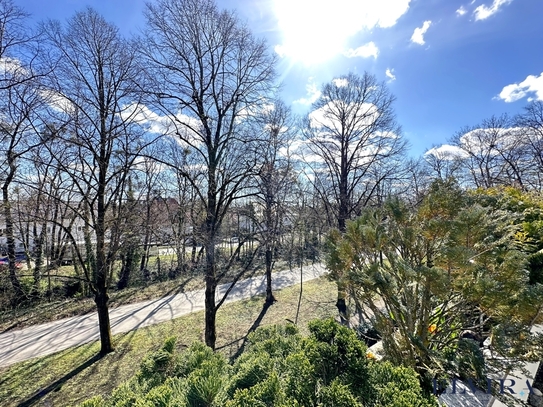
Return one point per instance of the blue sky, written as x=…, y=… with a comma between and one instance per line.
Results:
x=450, y=63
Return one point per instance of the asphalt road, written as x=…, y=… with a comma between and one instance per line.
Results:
x=41, y=340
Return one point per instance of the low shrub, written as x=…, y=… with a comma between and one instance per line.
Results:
x=279, y=368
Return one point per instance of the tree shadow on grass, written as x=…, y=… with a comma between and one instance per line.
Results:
x=56, y=385
x=253, y=327
x=124, y=296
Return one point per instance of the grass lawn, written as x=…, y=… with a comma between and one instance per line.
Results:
x=46, y=311
x=71, y=376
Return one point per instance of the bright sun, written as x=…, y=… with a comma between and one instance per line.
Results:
x=314, y=31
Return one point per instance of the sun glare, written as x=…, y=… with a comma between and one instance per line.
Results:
x=315, y=31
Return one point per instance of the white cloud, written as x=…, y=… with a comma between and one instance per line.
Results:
x=461, y=11
x=491, y=140
x=390, y=74
x=11, y=66
x=315, y=31
x=418, y=34
x=479, y=141
x=483, y=12
x=365, y=51
x=529, y=86
x=313, y=93
x=446, y=152
x=178, y=126
x=325, y=127
x=57, y=101
x=144, y=116
x=340, y=82
x=324, y=118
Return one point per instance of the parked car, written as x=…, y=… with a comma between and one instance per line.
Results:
x=20, y=258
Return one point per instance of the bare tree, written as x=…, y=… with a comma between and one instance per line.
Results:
x=492, y=153
x=23, y=108
x=444, y=162
x=530, y=125
x=93, y=84
x=274, y=181
x=22, y=104
x=34, y=208
x=54, y=187
x=19, y=48
x=211, y=73
x=147, y=175
x=354, y=147
x=189, y=213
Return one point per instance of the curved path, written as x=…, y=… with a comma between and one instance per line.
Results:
x=41, y=340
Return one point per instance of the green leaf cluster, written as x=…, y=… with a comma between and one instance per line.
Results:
x=526, y=210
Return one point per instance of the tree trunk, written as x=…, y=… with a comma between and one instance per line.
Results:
x=147, y=236
x=210, y=275
x=125, y=272
x=38, y=247
x=341, y=303
x=14, y=279
x=210, y=312
x=101, y=299
x=130, y=260
x=211, y=286
x=270, y=299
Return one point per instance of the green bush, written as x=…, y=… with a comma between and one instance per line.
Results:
x=300, y=381
x=96, y=401
x=206, y=375
x=206, y=388
x=159, y=365
x=245, y=398
x=127, y=394
x=392, y=396
x=337, y=395
x=336, y=352
x=396, y=386
x=267, y=393
x=155, y=368
x=277, y=341
x=159, y=396
x=250, y=369
x=199, y=356
x=385, y=372
x=279, y=368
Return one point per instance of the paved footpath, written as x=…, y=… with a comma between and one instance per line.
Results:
x=41, y=340
x=513, y=381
